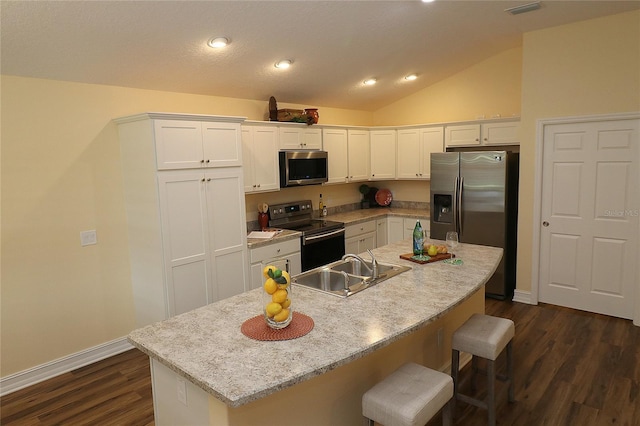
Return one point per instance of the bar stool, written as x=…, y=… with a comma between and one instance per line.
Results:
x=410, y=396
x=483, y=336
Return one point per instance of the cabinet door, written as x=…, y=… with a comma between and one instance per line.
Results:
x=289, y=138
x=247, y=159
x=358, y=155
x=464, y=135
x=183, y=211
x=367, y=242
x=311, y=138
x=335, y=143
x=222, y=144
x=352, y=245
x=383, y=154
x=501, y=133
x=264, y=153
x=178, y=144
x=227, y=231
x=432, y=140
x=395, y=229
x=381, y=232
x=409, y=154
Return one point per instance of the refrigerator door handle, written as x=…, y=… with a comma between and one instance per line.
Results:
x=459, y=202
x=456, y=207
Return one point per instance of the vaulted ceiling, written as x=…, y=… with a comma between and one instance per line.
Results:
x=334, y=45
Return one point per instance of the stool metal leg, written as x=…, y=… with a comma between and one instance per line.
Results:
x=491, y=391
x=455, y=366
x=512, y=397
x=474, y=373
x=447, y=412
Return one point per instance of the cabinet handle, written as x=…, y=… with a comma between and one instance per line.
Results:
x=202, y=180
x=208, y=161
x=477, y=140
x=278, y=251
x=202, y=161
x=209, y=180
x=258, y=185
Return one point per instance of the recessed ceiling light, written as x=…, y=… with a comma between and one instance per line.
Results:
x=283, y=64
x=411, y=77
x=427, y=1
x=218, y=42
x=370, y=81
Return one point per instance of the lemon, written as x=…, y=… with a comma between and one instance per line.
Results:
x=282, y=315
x=270, y=286
x=267, y=269
x=273, y=309
x=286, y=276
x=286, y=304
x=279, y=296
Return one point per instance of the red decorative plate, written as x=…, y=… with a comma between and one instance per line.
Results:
x=384, y=197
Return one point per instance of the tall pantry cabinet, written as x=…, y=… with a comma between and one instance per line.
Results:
x=184, y=196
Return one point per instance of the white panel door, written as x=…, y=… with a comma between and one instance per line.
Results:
x=409, y=154
x=335, y=143
x=589, y=230
x=222, y=144
x=178, y=144
x=383, y=154
x=358, y=155
x=184, y=234
x=227, y=230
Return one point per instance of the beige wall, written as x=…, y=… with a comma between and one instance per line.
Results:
x=487, y=89
x=60, y=176
x=590, y=67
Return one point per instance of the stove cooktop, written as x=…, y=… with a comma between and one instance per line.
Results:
x=298, y=216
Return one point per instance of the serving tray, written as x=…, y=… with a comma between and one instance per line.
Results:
x=436, y=258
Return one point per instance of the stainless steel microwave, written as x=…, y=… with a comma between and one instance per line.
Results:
x=303, y=168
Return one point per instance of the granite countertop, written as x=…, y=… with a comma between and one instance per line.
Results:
x=206, y=346
x=349, y=218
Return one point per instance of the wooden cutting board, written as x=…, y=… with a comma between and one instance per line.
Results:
x=436, y=258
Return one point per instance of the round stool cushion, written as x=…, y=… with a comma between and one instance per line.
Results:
x=410, y=396
x=483, y=335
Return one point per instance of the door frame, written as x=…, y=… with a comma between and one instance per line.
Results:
x=537, y=198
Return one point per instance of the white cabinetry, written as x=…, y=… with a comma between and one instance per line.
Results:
x=298, y=136
x=410, y=224
x=496, y=133
x=414, y=151
x=383, y=154
x=260, y=158
x=358, y=155
x=336, y=145
x=287, y=252
x=348, y=154
x=186, y=228
x=381, y=232
x=395, y=229
x=360, y=237
x=195, y=144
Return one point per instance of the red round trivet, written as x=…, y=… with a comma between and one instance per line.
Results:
x=256, y=328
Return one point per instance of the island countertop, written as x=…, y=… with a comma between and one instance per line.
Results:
x=206, y=346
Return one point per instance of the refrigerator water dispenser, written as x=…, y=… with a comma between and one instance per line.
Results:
x=443, y=211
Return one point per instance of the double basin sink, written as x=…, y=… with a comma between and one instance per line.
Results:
x=348, y=276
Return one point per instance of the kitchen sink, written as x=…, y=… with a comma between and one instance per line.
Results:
x=346, y=277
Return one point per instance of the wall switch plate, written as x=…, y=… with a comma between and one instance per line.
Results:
x=182, y=391
x=88, y=238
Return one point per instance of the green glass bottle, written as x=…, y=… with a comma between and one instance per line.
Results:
x=418, y=239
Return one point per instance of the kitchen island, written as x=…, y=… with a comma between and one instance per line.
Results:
x=205, y=371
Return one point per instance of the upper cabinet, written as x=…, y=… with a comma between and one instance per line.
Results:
x=414, y=151
x=294, y=137
x=348, y=154
x=383, y=154
x=260, y=155
x=496, y=133
x=182, y=144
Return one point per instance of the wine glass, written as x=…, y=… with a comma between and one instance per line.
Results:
x=452, y=242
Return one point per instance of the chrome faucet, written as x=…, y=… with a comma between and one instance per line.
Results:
x=374, y=263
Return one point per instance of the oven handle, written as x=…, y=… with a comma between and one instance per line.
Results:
x=320, y=237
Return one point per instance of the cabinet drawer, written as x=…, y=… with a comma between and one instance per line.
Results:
x=359, y=229
x=275, y=250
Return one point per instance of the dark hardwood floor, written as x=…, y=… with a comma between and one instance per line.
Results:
x=571, y=368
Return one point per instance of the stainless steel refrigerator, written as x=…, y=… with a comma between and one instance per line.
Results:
x=476, y=194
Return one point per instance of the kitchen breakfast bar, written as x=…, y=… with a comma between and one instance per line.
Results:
x=206, y=371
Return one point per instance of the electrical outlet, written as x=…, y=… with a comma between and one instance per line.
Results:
x=182, y=391
x=88, y=238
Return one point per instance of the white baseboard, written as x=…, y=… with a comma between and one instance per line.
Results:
x=63, y=365
x=523, y=297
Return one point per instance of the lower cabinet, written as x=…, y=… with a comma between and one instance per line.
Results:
x=286, y=253
x=360, y=237
x=399, y=228
x=381, y=232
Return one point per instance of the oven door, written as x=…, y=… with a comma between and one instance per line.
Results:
x=321, y=249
